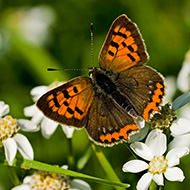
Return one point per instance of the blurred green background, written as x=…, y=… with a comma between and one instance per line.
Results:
x=37, y=34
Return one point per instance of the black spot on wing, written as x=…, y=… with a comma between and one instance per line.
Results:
x=79, y=111
x=66, y=94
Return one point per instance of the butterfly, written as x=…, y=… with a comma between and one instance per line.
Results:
x=109, y=101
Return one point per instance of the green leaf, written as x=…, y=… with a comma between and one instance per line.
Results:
x=107, y=167
x=23, y=163
x=181, y=101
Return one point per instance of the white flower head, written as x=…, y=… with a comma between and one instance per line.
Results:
x=47, y=125
x=159, y=165
x=180, y=128
x=33, y=24
x=50, y=180
x=11, y=139
x=183, y=79
x=171, y=88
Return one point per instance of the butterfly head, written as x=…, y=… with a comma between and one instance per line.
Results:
x=92, y=70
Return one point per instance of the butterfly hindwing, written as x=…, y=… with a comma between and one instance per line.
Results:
x=68, y=103
x=108, y=123
x=123, y=47
x=144, y=88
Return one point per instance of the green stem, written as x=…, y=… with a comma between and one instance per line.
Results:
x=70, y=158
x=154, y=186
x=84, y=159
x=13, y=175
x=106, y=166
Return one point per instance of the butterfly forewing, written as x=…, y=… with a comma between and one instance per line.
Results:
x=123, y=47
x=68, y=103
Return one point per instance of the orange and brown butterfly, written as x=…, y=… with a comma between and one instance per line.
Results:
x=109, y=102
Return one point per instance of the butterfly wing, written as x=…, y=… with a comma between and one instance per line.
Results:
x=108, y=123
x=123, y=47
x=143, y=87
x=69, y=103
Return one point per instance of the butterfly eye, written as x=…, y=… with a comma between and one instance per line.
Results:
x=91, y=70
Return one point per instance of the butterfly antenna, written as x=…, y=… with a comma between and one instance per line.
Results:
x=92, y=44
x=69, y=69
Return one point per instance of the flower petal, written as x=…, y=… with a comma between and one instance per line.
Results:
x=184, y=112
x=10, y=149
x=144, y=181
x=159, y=179
x=180, y=126
x=37, y=117
x=178, y=151
x=27, y=125
x=22, y=187
x=27, y=179
x=183, y=76
x=173, y=161
x=24, y=146
x=36, y=92
x=174, y=174
x=48, y=127
x=156, y=141
x=180, y=141
x=4, y=108
x=79, y=185
x=142, y=150
x=134, y=166
x=29, y=111
x=140, y=123
x=171, y=88
x=68, y=130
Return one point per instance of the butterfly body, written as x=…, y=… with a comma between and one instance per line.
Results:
x=109, y=102
x=105, y=83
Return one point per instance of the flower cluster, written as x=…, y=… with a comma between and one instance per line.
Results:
x=159, y=165
x=43, y=180
x=10, y=139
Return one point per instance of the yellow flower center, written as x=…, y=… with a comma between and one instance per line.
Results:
x=43, y=180
x=8, y=127
x=158, y=165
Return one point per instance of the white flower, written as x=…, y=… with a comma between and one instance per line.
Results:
x=49, y=180
x=48, y=126
x=159, y=166
x=11, y=139
x=181, y=131
x=183, y=79
x=171, y=88
x=33, y=24
x=180, y=128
